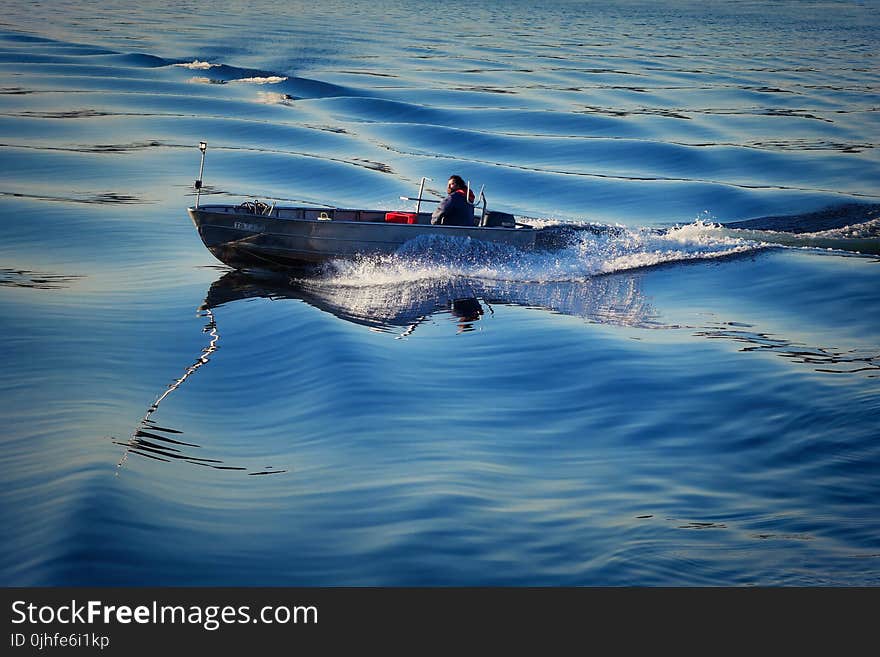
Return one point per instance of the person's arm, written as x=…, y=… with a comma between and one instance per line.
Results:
x=440, y=211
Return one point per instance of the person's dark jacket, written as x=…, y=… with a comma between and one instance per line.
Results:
x=454, y=210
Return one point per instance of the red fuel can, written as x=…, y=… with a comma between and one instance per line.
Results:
x=401, y=217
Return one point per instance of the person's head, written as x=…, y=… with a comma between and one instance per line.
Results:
x=455, y=183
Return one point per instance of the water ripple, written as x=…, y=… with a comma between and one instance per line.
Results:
x=652, y=398
x=143, y=439
x=36, y=280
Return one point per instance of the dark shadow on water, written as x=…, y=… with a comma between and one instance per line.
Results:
x=36, y=280
x=826, y=360
x=104, y=198
x=467, y=311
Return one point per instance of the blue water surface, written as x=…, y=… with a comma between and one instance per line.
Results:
x=660, y=401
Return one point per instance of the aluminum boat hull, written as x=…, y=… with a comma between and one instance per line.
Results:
x=283, y=238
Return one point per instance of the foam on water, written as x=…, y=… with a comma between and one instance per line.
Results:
x=867, y=230
x=586, y=253
x=863, y=238
x=196, y=65
x=271, y=79
x=273, y=98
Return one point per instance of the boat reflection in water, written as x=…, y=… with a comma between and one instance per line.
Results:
x=467, y=311
x=399, y=308
x=159, y=443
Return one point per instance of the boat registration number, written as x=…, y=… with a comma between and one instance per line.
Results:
x=254, y=228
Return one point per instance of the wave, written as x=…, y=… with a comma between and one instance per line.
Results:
x=196, y=65
x=219, y=73
x=830, y=218
x=853, y=227
x=835, y=240
x=294, y=86
x=271, y=79
x=565, y=253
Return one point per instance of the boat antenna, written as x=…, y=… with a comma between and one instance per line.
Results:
x=421, y=190
x=203, y=146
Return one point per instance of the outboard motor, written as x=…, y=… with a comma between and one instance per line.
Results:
x=496, y=219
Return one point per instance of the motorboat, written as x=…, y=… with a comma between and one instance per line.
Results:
x=264, y=235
